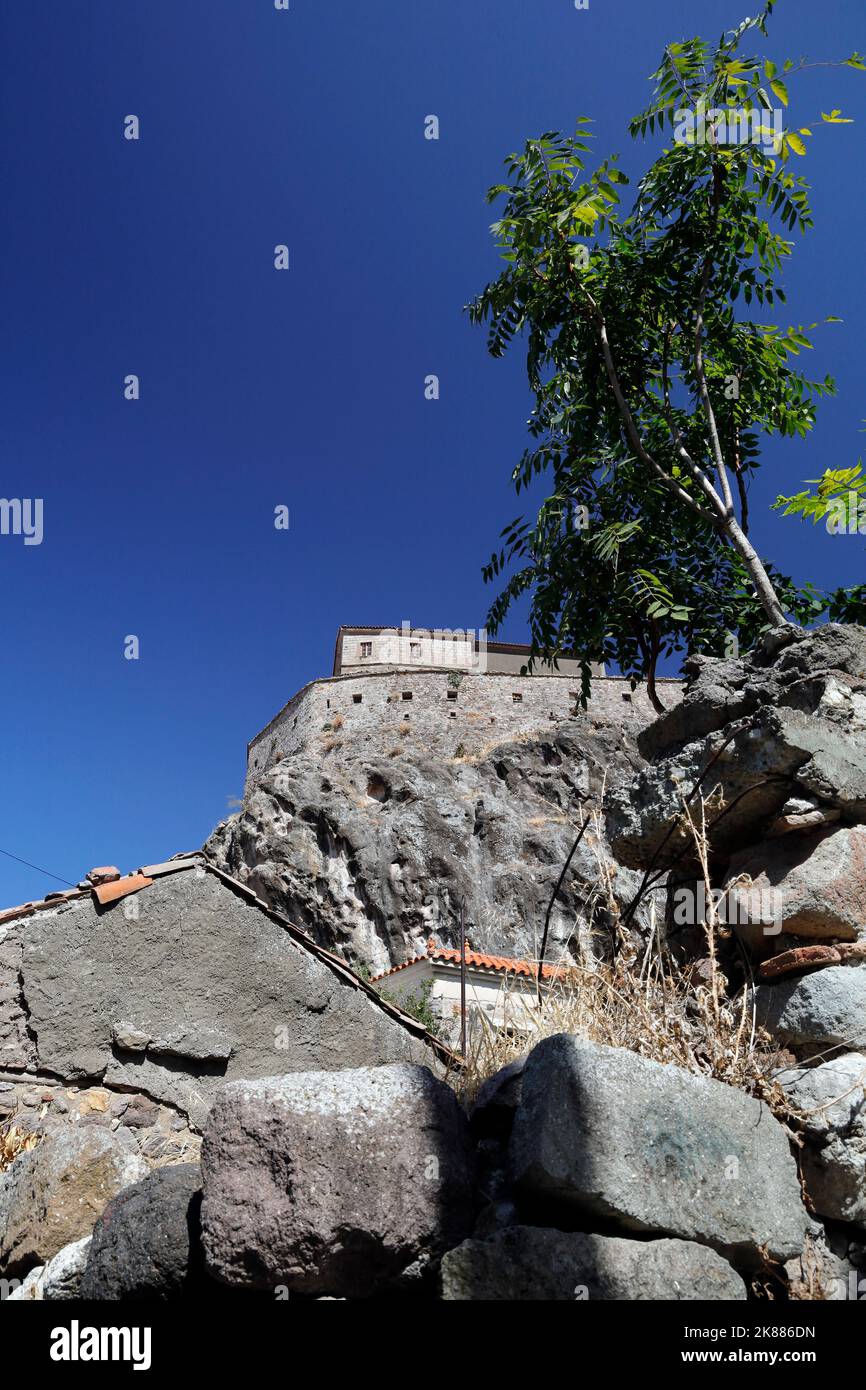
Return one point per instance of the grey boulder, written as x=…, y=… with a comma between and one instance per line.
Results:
x=833, y=1101
x=60, y=1279
x=533, y=1263
x=827, y=1009
x=334, y=1182
x=606, y=1135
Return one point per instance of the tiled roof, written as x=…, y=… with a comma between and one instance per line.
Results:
x=104, y=892
x=476, y=960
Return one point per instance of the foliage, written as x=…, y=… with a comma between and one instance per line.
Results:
x=418, y=1006
x=652, y=389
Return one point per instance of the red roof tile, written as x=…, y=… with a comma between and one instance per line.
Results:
x=508, y=965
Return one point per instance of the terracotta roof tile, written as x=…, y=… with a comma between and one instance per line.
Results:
x=477, y=960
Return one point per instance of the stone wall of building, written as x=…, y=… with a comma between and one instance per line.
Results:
x=444, y=713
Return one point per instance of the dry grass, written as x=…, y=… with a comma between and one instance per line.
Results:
x=640, y=998
x=15, y=1141
x=651, y=1007
x=337, y=722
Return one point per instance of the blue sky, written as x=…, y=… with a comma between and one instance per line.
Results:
x=302, y=388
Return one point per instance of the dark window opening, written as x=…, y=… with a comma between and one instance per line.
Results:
x=517, y=698
x=356, y=699
x=407, y=694
x=452, y=694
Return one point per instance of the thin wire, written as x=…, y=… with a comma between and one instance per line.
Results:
x=47, y=872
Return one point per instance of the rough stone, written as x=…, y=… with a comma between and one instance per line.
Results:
x=819, y=881
x=826, y=1009
x=373, y=879
x=146, y=1244
x=833, y=1097
x=604, y=1134
x=60, y=1279
x=51, y=1195
x=797, y=961
x=334, y=1183
x=528, y=1262
x=774, y=727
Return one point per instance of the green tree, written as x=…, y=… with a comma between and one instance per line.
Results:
x=651, y=389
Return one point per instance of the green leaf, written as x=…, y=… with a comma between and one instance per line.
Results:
x=777, y=86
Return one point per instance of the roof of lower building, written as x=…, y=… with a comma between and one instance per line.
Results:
x=477, y=960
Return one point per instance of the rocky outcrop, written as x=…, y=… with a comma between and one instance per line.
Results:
x=532, y=1263
x=633, y=1144
x=818, y=879
x=335, y=1184
x=372, y=853
x=786, y=722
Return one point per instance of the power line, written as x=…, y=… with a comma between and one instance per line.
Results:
x=47, y=872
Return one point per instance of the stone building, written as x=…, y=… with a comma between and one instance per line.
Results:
x=451, y=693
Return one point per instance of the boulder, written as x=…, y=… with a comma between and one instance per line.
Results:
x=833, y=1099
x=146, y=1244
x=334, y=1182
x=819, y=1011
x=604, y=1135
x=532, y=1263
x=818, y=882
x=60, y=1279
x=51, y=1195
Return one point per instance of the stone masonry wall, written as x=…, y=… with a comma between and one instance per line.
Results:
x=443, y=716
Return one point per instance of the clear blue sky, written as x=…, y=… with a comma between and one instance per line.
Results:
x=303, y=388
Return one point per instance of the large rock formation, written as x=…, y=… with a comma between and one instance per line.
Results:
x=786, y=722
x=372, y=850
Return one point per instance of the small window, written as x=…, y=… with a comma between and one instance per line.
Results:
x=517, y=698
x=356, y=699
x=451, y=694
x=627, y=696
x=452, y=715
x=407, y=694
x=366, y=649
x=415, y=650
